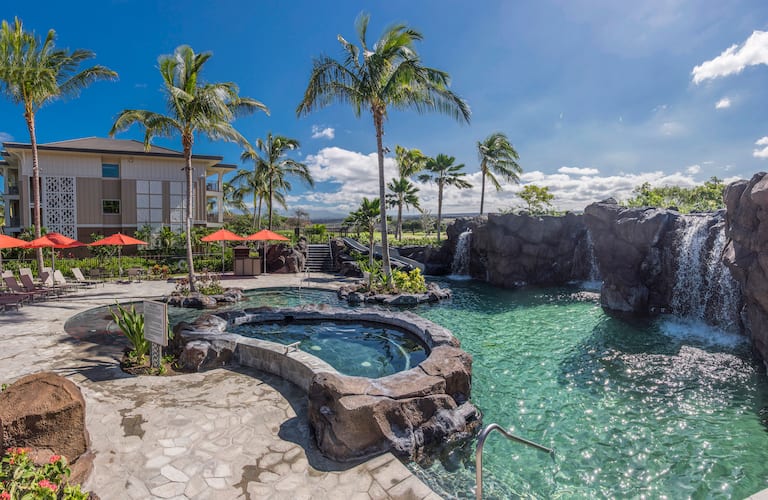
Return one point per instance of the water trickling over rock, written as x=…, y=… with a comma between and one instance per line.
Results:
x=703, y=288
x=460, y=265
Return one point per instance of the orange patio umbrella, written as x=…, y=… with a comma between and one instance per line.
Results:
x=119, y=240
x=266, y=235
x=222, y=235
x=9, y=242
x=53, y=241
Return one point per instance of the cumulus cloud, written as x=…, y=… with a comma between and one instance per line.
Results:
x=693, y=169
x=723, y=103
x=323, y=133
x=735, y=58
x=762, y=150
x=578, y=171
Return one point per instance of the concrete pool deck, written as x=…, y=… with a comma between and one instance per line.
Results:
x=226, y=433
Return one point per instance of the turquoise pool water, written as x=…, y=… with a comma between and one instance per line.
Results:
x=646, y=409
x=357, y=349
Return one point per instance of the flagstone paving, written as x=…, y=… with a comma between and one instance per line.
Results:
x=227, y=433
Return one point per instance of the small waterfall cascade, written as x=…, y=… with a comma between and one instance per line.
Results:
x=704, y=288
x=460, y=264
x=594, y=271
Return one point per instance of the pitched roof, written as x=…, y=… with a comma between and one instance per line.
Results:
x=106, y=146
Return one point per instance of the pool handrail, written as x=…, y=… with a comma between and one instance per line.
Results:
x=479, y=452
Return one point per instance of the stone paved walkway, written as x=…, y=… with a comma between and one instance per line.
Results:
x=226, y=433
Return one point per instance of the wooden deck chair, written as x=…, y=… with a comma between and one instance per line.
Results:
x=46, y=287
x=10, y=300
x=15, y=288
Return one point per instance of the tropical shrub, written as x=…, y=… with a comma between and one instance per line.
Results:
x=132, y=325
x=21, y=479
x=409, y=282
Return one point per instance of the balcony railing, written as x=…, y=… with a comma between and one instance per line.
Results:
x=212, y=186
x=12, y=190
x=13, y=221
x=212, y=217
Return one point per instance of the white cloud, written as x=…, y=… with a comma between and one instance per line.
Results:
x=325, y=133
x=672, y=129
x=723, y=103
x=734, y=59
x=578, y=171
x=762, y=151
x=5, y=137
x=693, y=169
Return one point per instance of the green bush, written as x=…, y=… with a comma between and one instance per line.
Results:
x=21, y=479
x=409, y=282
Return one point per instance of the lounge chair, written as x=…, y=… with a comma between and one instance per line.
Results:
x=46, y=287
x=8, y=300
x=16, y=289
x=79, y=278
x=62, y=282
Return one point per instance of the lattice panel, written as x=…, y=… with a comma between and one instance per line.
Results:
x=59, y=204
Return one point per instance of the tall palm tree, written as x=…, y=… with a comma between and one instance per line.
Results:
x=443, y=172
x=193, y=107
x=233, y=199
x=33, y=72
x=367, y=216
x=252, y=182
x=403, y=193
x=275, y=166
x=497, y=156
x=388, y=75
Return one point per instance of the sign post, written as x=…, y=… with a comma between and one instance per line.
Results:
x=156, y=329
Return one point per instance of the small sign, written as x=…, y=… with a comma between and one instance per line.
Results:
x=156, y=322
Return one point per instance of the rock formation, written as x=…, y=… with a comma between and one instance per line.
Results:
x=510, y=250
x=746, y=254
x=46, y=412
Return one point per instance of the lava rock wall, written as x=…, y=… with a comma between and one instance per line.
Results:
x=746, y=254
x=510, y=250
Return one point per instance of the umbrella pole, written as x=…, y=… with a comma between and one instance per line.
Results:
x=120, y=261
x=222, y=257
x=53, y=266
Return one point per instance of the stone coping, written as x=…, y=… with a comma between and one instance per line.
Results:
x=292, y=364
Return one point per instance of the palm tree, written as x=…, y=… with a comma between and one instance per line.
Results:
x=271, y=161
x=193, y=108
x=253, y=182
x=444, y=173
x=403, y=194
x=388, y=75
x=367, y=216
x=409, y=161
x=233, y=199
x=34, y=73
x=497, y=156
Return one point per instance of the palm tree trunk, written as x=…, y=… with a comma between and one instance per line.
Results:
x=257, y=222
x=270, y=203
x=29, y=115
x=378, y=121
x=400, y=221
x=188, y=160
x=482, y=194
x=439, y=207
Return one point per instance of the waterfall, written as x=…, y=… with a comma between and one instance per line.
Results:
x=594, y=272
x=460, y=264
x=704, y=288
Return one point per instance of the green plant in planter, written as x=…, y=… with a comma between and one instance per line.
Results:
x=410, y=282
x=132, y=325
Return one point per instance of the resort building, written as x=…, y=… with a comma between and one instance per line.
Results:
x=96, y=185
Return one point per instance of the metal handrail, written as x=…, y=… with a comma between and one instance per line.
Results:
x=479, y=452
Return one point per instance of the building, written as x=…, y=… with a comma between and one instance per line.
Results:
x=96, y=185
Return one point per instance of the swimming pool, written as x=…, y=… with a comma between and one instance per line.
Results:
x=357, y=349
x=647, y=408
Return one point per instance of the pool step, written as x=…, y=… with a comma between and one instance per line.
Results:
x=318, y=258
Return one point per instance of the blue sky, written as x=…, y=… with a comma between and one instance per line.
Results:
x=597, y=96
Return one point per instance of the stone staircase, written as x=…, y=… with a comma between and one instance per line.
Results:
x=318, y=258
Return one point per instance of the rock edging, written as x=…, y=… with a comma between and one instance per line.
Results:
x=355, y=417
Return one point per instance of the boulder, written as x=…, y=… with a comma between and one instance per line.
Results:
x=44, y=411
x=199, y=355
x=747, y=230
x=407, y=412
